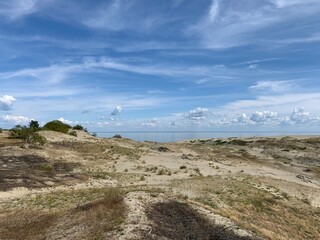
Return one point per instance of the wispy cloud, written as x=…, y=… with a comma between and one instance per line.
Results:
x=17, y=8
x=228, y=25
x=287, y=3
x=280, y=103
x=59, y=72
x=119, y=15
x=273, y=86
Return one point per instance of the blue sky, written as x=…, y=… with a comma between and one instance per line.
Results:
x=179, y=64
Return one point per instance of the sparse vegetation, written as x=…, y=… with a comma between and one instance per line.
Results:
x=73, y=133
x=268, y=206
x=94, y=219
x=28, y=133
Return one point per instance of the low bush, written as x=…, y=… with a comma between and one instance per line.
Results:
x=78, y=127
x=57, y=126
x=117, y=136
x=73, y=133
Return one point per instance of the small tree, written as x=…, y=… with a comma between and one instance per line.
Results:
x=34, y=124
x=28, y=134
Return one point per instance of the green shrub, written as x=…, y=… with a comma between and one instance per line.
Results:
x=38, y=139
x=73, y=133
x=27, y=134
x=78, y=127
x=238, y=142
x=34, y=125
x=161, y=172
x=117, y=136
x=57, y=126
x=142, y=178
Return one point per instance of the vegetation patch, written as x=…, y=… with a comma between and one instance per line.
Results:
x=187, y=222
x=57, y=126
x=33, y=172
x=95, y=219
x=268, y=213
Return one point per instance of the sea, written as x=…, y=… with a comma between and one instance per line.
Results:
x=174, y=136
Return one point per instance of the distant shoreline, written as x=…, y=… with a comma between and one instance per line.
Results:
x=183, y=136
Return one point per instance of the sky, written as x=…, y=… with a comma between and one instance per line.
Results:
x=161, y=65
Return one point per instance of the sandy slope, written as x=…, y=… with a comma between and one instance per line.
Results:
x=272, y=173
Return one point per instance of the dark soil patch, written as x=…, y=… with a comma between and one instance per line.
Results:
x=33, y=171
x=163, y=149
x=176, y=220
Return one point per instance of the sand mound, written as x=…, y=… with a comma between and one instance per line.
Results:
x=53, y=136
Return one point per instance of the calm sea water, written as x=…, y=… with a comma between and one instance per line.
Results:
x=173, y=136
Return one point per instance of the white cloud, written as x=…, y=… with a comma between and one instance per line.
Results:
x=287, y=3
x=214, y=10
x=263, y=116
x=253, y=66
x=174, y=124
x=197, y=114
x=15, y=119
x=117, y=110
x=243, y=119
x=227, y=24
x=274, y=86
x=59, y=72
x=64, y=121
x=278, y=103
x=119, y=15
x=299, y=115
x=152, y=123
x=14, y=9
x=6, y=102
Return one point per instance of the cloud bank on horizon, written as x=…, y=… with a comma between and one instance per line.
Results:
x=174, y=64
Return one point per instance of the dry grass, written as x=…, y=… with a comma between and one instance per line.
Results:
x=268, y=213
x=33, y=171
x=91, y=220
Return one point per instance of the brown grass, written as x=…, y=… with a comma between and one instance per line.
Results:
x=270, y=214
x=92, y=220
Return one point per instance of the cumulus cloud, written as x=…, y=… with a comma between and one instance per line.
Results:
x=65, y=121
x=174, y=124
x=243, y=119
x=152, y=123
x=299, y=115
x=14, y=119
x=6, y=102
x=197, y=114
x=117, y=110
x=263, y=116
